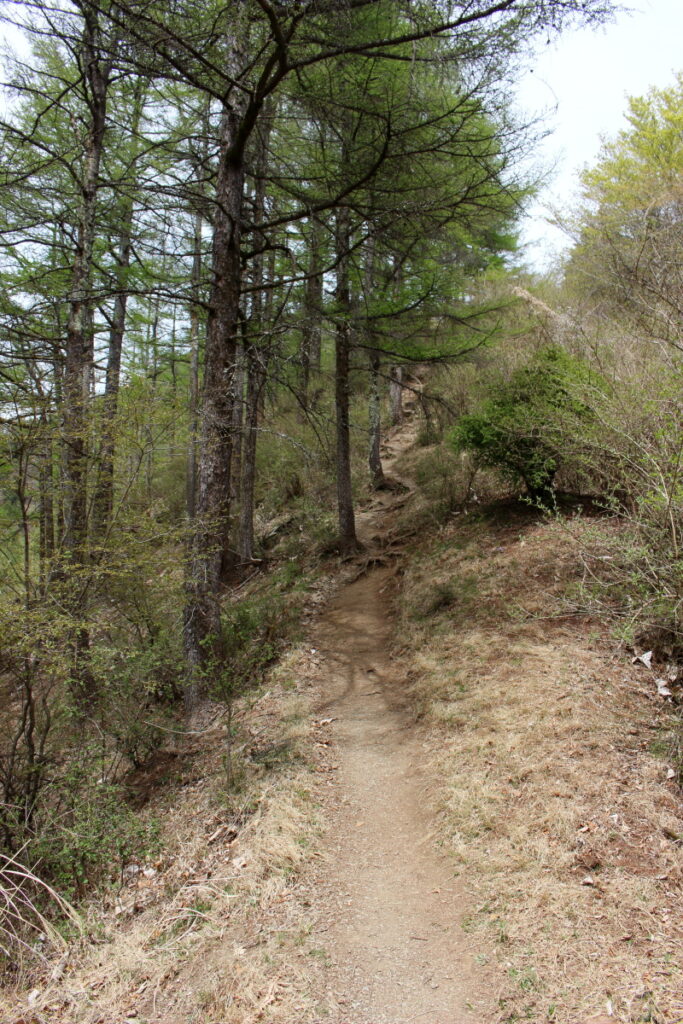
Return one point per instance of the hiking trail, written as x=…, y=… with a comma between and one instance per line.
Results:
x=388, y=902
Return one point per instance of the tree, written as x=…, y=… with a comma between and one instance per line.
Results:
x=236, y=58
x=629, y=250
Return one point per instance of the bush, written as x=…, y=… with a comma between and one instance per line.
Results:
x=445, y=480
x=526, y=426
x=255, y=630
x=91, y=834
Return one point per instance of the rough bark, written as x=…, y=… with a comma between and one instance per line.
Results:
x=255, y=351
x=194, y=367
x=78, y=364
x=202, y=625
x=239, y=384
x=256, y=376
x=396, y=394
x=374, y=406
x=347, y=540
x=374, y=359
x=46, y=507
x=311, y=330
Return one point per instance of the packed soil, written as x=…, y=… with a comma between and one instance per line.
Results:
x=390, y=908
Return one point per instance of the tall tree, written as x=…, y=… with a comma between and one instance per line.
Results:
x=629, y=243
x=237, y=57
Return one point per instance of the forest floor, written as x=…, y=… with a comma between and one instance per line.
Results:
x=455, y=802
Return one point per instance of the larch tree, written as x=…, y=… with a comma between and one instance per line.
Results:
x=238, y=57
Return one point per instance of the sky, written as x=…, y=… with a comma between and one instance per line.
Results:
x=582, y=81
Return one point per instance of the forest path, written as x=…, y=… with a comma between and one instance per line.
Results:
x=389, y=907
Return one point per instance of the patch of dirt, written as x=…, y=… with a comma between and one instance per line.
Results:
x=387, y=935
x=454, y=805
x=389, y=908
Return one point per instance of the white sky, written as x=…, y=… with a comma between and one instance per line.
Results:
x=587, y=76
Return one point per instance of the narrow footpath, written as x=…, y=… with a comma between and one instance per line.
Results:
x=390, y=906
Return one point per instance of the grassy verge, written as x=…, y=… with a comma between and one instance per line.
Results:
x=558, y=800
x=210, y=926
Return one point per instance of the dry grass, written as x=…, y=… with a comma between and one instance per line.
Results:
x=555, y=805
x=555, y=799
x=211, y=932
x=27, y=936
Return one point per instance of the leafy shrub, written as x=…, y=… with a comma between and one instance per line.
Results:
x=526, y=426
x=59, y=805
x=91, y=834
x=444, y=479
x=138, y=684
x=254, y=632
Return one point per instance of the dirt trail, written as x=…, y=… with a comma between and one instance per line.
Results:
x=389, y=904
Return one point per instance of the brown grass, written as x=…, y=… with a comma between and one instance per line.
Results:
x=211, y=931
x=555, y=801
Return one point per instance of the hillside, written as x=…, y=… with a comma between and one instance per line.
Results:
x=341, y=603
x=455, y=802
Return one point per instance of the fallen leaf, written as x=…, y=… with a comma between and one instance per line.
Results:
x=662, y=689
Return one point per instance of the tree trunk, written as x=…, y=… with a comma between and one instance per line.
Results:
x=239, y=382
x=202, y=623
x=374, y=460
x=256, y=377
x=103, y=501
x=311, y=329
x=255, y=353
x=374, y=359
x=348, y=541
x=78, y=365
x=194, y=368
x=46, y=507
x=396, y=394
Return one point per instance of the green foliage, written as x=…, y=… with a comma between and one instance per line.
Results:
x=628, y=253
x=109, y=226
x=91, y=834
x=255, y=631
x=523, y=426
x=444, y=479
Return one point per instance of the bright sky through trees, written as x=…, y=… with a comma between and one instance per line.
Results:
x=587, y=75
